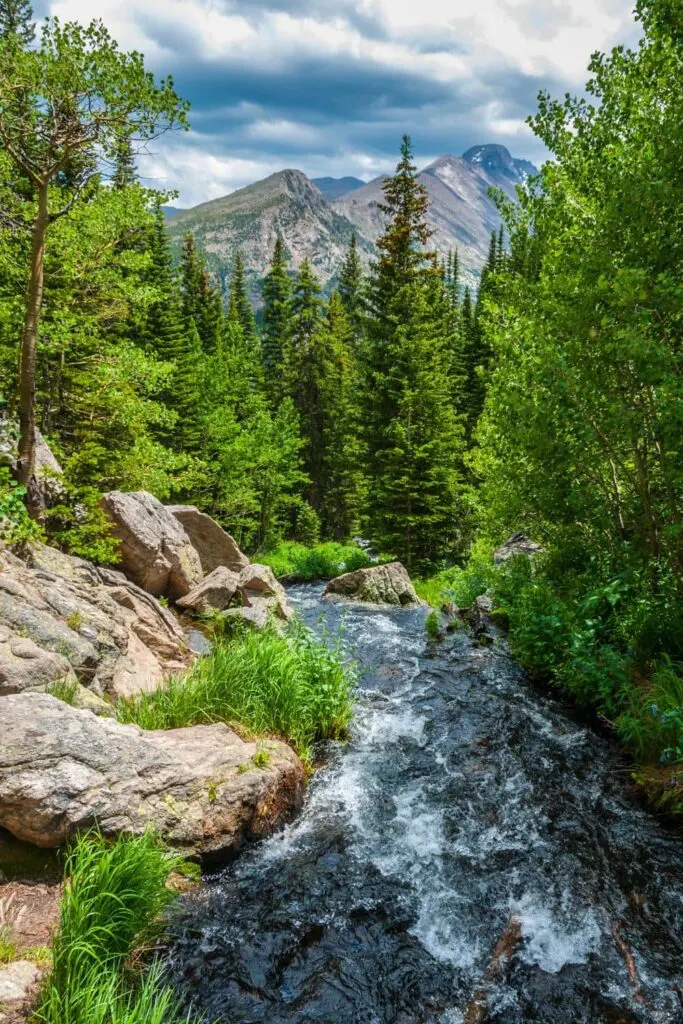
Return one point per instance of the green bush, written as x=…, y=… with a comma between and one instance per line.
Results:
x=296, y=561
x=16, y=525
x=294, y=686
x=111, y=906
x=432, y=626
x=459, y=585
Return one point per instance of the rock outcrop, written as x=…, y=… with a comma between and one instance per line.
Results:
x=63, y=770
x=378, y=584
x=61, y=620
x=517, y=544
x=212, y=543
x=155, y=551
x=19, y=984
x=215, y=591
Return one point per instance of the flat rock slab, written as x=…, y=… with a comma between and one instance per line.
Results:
x=378, y=584
x=213, y=544
x=63, y=770
x=19, y=982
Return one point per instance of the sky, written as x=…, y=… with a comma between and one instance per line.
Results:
x=329, y=86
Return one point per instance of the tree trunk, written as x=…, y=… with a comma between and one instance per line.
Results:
x=29, y=344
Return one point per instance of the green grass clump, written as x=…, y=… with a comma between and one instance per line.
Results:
x=432, y=626
x=459, y=585
x=114, y=897
x=8, y=950
x=294, y=686
x=65, y=690
x=293, y=560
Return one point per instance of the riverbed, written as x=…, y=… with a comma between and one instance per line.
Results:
x=473, y=854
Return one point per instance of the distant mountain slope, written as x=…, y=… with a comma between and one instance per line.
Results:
x=171, y=211
x=250, y=219
x=461, y=213
x=334, y=188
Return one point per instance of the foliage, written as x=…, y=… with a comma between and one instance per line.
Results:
x=8, y=949
x=433, y=626
x=111, y=906
x=294, y=686
x=16, y=526
x=294, y=561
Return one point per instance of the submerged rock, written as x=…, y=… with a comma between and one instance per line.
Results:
x=156, y=552
x=63, y=770
x=212, y=543
x=517, y=544
x=378, y=584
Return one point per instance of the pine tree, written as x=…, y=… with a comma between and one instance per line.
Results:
x=202, y=304
x=188, y=394
x=351, y=289
x=125, y=171
x=413, y=435
x=240, y=309
x=164, y=330
x=277, y=320
x=16, y=21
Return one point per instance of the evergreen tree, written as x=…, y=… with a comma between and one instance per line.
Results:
x=202, y=305
x=277, y=320
x=188, y=394
x=125, y=171
x=240, y=310
x=16, y=21
x=412, y=432
x=164, y=330
x=351, y=289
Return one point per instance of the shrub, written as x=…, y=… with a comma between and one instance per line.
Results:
x=293, y=560
x=16, y=525
x=294, y=686
x=432, y=627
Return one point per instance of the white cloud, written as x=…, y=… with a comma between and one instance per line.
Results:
x=477, y=55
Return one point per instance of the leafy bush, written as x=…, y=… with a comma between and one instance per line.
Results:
x=80, y=526
x=459, y=585
x=16, y=525
x=293, y=560
x=111, y=906
x=294, y=686
x=432, y=627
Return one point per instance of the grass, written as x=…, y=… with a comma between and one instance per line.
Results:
x=64, y=690
x=114, y=898
x=8, y=950
x=293, y=686
x=295, y=561
x=459, y=585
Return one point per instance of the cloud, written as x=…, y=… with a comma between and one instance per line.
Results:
x=329, y=86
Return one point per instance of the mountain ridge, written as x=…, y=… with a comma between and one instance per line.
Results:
x=462, y=216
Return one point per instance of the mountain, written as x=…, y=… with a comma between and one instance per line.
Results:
x=461, y=213
x=171, y=211
x=286, y=202
x=334, y=188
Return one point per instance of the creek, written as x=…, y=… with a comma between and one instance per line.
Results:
x=473, y=855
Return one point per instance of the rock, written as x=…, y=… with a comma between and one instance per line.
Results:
x=155, y=550
x=25, y=666
x=257, y=584
x=256, y=614
x=214, y=546
x=517, y=544
x=62, y=770
x=19, y=982
x=378, y=584
x=215, y=591
x=48, y=472
x=73, y=621
x=478, y=615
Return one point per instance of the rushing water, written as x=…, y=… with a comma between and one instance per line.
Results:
x=472, y=855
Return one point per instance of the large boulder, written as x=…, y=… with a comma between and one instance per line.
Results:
x=63, y=770
x=61, y=618
x=215, y=591
x=378, y=584
x=214, y=546
x=156, y=552
x=517, y=544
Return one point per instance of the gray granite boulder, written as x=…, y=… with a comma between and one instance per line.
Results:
x=378, y=584
x=212, y=543
x=63, y=770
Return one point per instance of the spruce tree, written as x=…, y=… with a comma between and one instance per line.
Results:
x=351, y=289
x=412, y=432
x=163, y=331
x=276, y=291
x=125, y=171
x=16, y=21
x=240, y=309
x=202, y=305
